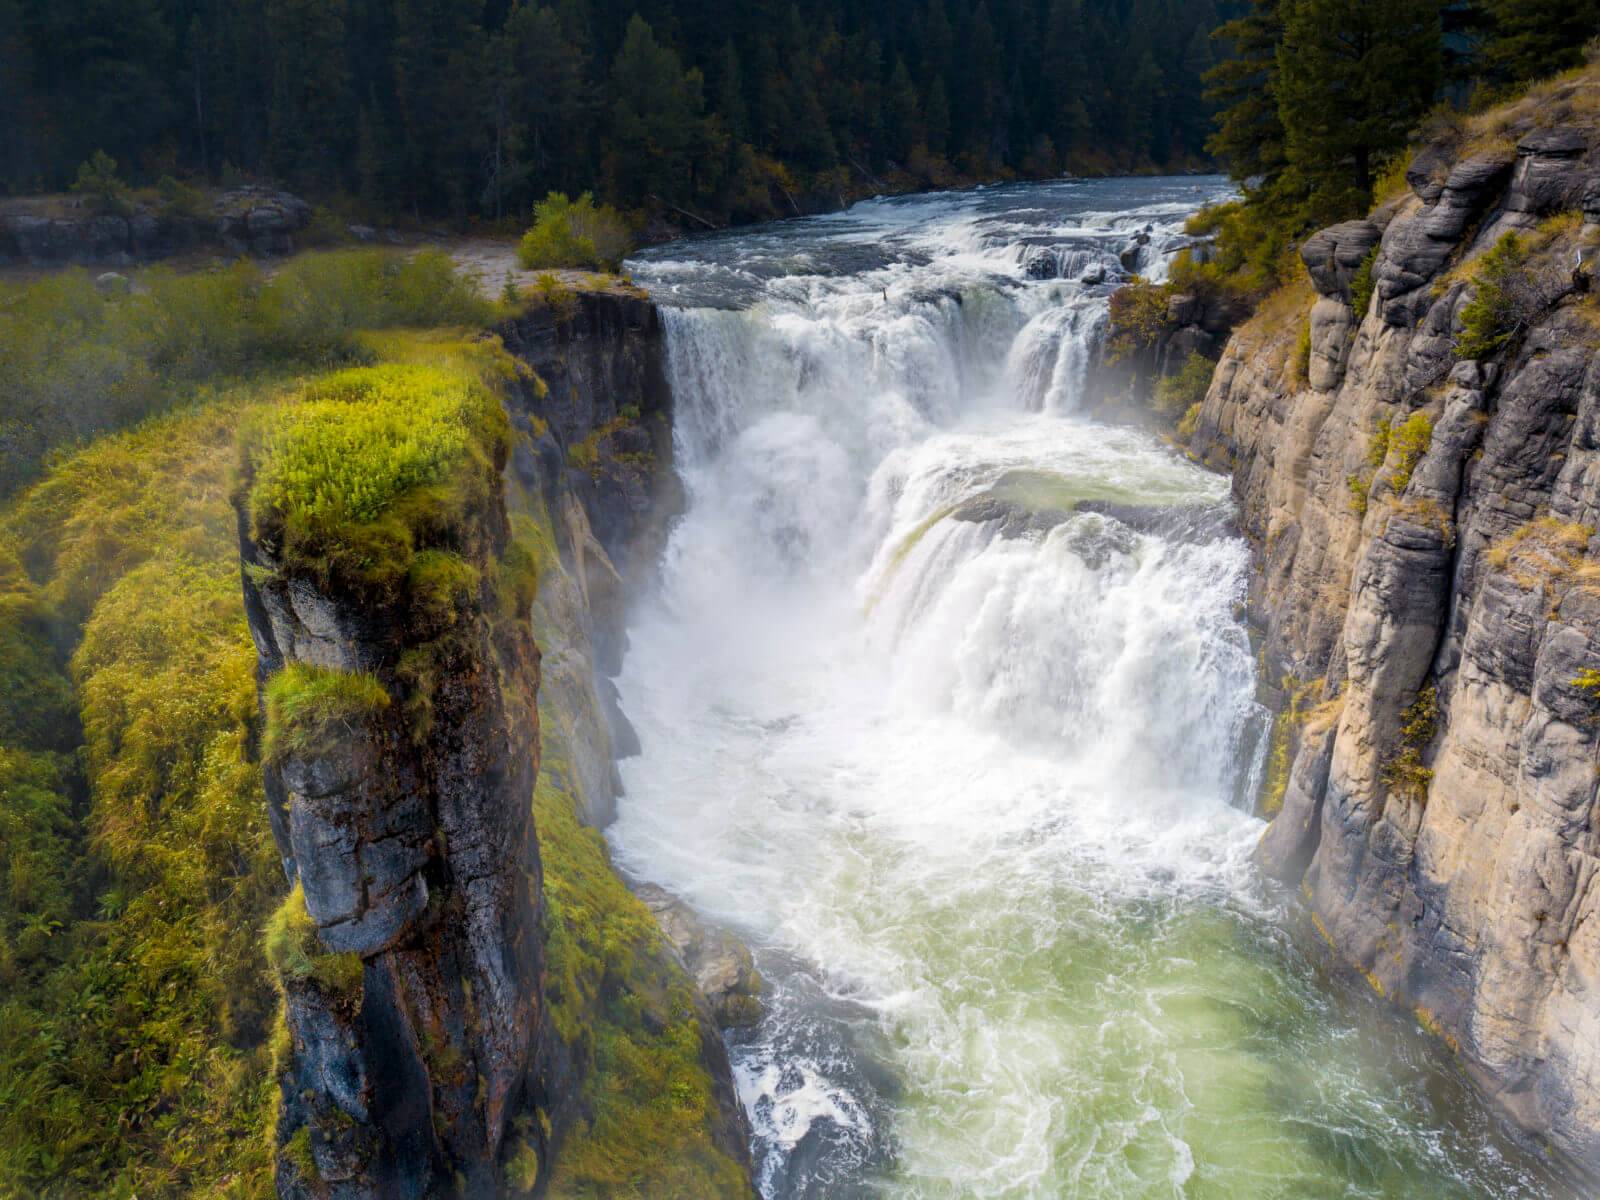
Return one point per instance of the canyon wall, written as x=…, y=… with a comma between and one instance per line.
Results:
x=452, y=974
x=1429, y=588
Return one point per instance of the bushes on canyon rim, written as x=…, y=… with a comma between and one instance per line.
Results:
x=575, y=233
x=76, y=362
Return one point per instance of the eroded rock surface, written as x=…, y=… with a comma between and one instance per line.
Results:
x=1426, y=530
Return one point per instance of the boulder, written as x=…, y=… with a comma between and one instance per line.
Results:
x=1334, y=255
x=719, y=963
x=1545, y=180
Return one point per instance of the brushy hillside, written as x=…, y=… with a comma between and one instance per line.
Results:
x=137, y=871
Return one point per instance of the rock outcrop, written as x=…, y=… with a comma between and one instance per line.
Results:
x=410, y=951
x=52, y=231
x=444, y=1033
x=718, y=962
x=1426, y=527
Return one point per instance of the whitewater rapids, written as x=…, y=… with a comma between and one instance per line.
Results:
x=962, y=758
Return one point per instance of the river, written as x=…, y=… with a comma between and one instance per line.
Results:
x=962, y=758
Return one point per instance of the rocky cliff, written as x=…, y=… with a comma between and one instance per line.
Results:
x=455, y=979
x=45, y=231
x=1415, y=449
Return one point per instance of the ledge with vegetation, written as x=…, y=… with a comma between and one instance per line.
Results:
x=137, y=1018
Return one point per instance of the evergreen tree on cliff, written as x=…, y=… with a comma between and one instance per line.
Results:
x=1354, y=78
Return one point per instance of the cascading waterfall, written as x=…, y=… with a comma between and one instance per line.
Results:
x=945, y=705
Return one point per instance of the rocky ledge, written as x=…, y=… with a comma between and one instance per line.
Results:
x=56, y=231
x=1426, y=520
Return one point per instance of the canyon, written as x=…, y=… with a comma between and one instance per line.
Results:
x=815, y=511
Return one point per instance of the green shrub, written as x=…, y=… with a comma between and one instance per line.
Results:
x=98, y=181
x=1300, y=362
x=1177, y=394
x=294, y=952
x=556, y=296
x=179, y=199
x=1364, y=284
x=522, y=1167
x=310, y=708
x=1512, y=288
x=1138, y=316
x=575, y=233
x=1253, y=250
x=1189, y=423
x=1407, y=445
x=1360, y=494
x=1404, y=772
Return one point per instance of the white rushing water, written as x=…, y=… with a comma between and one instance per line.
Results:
x=946, y=705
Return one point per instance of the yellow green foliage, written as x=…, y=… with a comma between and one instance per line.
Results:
x=1252, y=254
x=522, y=1168
x=1405, y=773
x=1360, y=493
x=290, y=943
x=575, y=233
x=1364, y=285
x=1189, y=422
x=136, y=1007
x=1138, y=315
x=617, y=999
x=556, y=296
x=76, y=362
x=1298, y=701
x=1300, y=364
x=373, y=464
x=1176, y=394
x=310, y=708
x=1407, y=445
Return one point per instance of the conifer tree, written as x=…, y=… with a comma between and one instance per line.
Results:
x=1531, y=38
x=1354, y=78
x=1249, y=133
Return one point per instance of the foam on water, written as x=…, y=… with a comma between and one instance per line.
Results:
x=957, y=754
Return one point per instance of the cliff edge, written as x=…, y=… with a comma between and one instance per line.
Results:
x=1414, y=442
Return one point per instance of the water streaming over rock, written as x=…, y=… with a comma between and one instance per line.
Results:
x=946, y=706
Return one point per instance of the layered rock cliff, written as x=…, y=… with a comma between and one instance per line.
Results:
x=1421, y=479
x=456, y=979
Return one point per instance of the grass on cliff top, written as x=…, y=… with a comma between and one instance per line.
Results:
x=372, y=465
x=77, y=361
x=135, y=1000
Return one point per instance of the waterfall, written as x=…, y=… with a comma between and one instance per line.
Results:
x=945, y=704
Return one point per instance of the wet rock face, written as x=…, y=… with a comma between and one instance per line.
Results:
x=603, y=364
x=717, y=961
x=1441, y=807
x=415, y=849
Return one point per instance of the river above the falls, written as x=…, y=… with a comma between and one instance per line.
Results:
x=947, y=708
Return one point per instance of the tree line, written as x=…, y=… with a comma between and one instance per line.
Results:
x=1318, y=97
x=716, y=107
